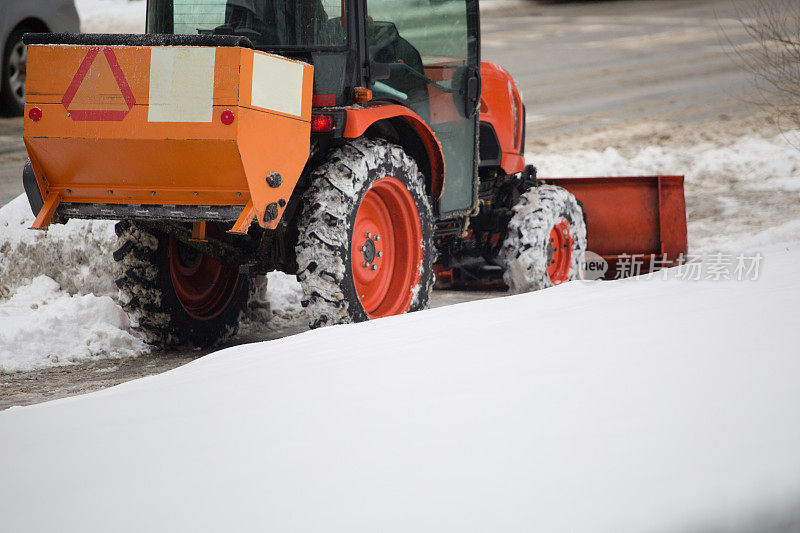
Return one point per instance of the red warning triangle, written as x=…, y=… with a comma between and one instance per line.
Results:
x=99, y=90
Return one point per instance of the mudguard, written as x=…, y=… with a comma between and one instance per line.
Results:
x=32, y=188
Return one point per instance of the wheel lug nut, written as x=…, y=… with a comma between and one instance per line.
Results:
x=362, y=248
x=367, y=235
x=374, y=267
x=380, y=254
x=376, y=237
x=365, y=264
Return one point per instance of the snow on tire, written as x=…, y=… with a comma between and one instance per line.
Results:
x=546, y=240
x=365, y=247
x=167, y=313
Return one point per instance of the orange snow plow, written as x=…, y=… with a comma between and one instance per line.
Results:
x=143, y=129
x=637, y=223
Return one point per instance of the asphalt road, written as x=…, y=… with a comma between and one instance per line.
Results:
x=580, y=66
x=604, y=63
x=12, y=158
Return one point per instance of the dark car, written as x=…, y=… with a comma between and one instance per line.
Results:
x=16, y=18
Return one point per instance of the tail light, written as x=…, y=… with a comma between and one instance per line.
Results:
x=515, y=113
x=321, y=123
x=226, y=117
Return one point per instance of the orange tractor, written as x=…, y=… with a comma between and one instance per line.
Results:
x=359, y=144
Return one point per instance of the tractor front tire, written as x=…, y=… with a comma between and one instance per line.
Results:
x=365, y=247
x=545, y=242
x=178, y=296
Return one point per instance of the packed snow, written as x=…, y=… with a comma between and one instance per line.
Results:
x=45, y=326
x=673, y=407
x=56, y=292
x=77, y=254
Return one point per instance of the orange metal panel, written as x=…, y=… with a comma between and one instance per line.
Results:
x=95, y=143
x=46, y=212
x=48, y=85
x=246, y=85
x=498, y=96
x=244, y=220
x=199, y=231
x=359, y=120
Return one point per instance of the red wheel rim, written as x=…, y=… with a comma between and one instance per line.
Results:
x=559, y=252
x=386, y=249
x=203, y=285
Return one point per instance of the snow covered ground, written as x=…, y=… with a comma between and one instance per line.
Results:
x=674, y=406
x=45, y=326
x=56, y=291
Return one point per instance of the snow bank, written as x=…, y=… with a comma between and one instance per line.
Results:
x=673, y=407
x=772, y=163
x=57, y=293
x=41, y=326
x=77, y=260
x=284, y=295
x=77, y=254
x=735, y=187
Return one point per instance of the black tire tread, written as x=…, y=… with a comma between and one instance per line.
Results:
x=325, y=228
x=523, y=253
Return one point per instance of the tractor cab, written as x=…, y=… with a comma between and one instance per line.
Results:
x=419, y=54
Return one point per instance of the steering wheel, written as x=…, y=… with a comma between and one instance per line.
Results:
x=227, y=29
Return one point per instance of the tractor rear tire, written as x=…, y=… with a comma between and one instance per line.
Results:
x=178, y=295
x=545, y=242
x=365, y=247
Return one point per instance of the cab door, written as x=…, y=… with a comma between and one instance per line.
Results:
x=432, y=51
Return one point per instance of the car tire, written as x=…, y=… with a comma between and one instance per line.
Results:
x=12, y=84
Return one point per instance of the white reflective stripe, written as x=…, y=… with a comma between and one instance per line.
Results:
x=181, y=84
x=277, y=84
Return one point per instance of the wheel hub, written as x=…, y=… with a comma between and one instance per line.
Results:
x=203, y=285
x=386, y=248
x=188, y=258
x=559, y=252
x=17, y=70
x=369, y=249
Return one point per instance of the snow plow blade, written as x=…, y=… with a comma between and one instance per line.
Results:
x=637, y=223
x=200, y=129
